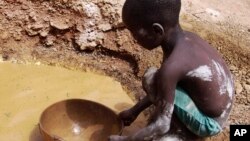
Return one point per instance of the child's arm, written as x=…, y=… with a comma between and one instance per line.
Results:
x=166, y=83
x=166, y=80
x=128, y=116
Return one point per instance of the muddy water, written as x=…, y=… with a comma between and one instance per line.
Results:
x=26, y=90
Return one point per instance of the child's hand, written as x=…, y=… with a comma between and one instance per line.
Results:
x=127, y=117
x=117, y=138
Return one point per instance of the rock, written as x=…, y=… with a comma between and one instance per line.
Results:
x=119, y=25
x=112, y=2
x=89, y=40
x=248, y=81
x=34, y=29
x=44, y=32
x=247, y=88
x=17, y=36
x=4, y=35
x=33, y=15
x=59, y=24
x=79, y=27
x=232, y=68
x=105, y=27
x=24, y=7
x=50, y=40
x=91, y=10
x=10, y=15
x=31, y=32
x=238, y=87
x=243, y=72
x=1, y=58
x=65, y=1
x=38, y=63
x=1, y=3
x=36, y=26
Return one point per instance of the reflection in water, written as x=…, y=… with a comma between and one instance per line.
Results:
x=26, y=90
x=76, y=129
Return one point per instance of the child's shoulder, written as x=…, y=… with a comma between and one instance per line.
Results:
x=192, y=42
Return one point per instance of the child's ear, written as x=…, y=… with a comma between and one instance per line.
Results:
x=157, y=28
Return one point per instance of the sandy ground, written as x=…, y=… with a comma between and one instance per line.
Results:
x=89, y=35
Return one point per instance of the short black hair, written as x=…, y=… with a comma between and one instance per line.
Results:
x=165, y=12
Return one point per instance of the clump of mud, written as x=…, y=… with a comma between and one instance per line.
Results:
x=89, y=35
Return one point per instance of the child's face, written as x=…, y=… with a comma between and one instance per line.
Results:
x=145, y=37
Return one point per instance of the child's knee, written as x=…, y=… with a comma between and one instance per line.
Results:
x=148, y=81
x=148, y=78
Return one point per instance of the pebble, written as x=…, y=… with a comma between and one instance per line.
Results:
x=248, y=81
x=38, y=63
x=17, y=36
x=105, y=27
x=4, y=35
x=50, y=40
x=44, y=32
x=232, y=68
x=247, y=88
x=59, y=24
x=238, y=87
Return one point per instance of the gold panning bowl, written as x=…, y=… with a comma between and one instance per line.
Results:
x=78, y=120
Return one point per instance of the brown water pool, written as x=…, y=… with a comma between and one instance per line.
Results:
x=26, y=90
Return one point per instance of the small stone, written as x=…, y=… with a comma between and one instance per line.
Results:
x=65, y=1
x=88, y=46
x=243, y=72
x=232, y=68
x=34, y=29
x=248, y=81
x=248, y=30
x=44, y=32
x=33, y=16
x=238, y=87
x=105, y=27
x=31, y=32
x=50, y=40
x=24, y=7
x=52, y=10
x=38, y=63
x=5, y=57
x=79, y=28
x=247, y=88
x=17, y=36
x=119, y=25
x=59, y=24
x=4, y=35
x=1, y=58
x=37, y=26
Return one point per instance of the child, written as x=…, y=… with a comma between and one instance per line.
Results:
x=193, y=81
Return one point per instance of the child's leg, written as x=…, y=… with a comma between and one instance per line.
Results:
x=189, y=114
x=185, y=109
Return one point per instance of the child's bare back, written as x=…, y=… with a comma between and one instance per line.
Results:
x=203, y=74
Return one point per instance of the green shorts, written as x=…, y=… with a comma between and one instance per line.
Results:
x=189, y=114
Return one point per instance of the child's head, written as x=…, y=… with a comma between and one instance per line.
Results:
x=150, y=20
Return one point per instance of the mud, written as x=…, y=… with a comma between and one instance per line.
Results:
x=89, y=35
